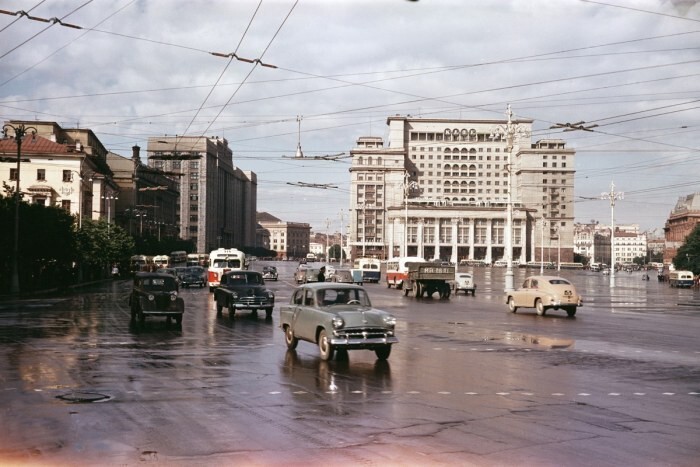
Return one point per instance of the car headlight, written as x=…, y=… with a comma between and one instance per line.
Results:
x=173, y=296
x=270, y=294
x=151, y=297
x=234, y=295
x=337, y=323
x=390, y=321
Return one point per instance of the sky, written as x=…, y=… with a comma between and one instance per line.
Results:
x=326, y=72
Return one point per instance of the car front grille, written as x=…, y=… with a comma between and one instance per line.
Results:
x=252, y=300
x=365, y=333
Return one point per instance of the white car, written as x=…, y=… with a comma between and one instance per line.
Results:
x=464, y=281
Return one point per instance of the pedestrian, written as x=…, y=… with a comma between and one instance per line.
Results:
x=322, y=274
x=115, y=271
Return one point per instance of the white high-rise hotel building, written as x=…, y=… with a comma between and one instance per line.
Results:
x=449, y=180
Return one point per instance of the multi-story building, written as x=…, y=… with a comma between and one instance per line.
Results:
x=440, y=190
x=682, y=220
x=629, y=245
x=217, y=199
x=288, y=239
x=149, y=200
x=60, y=167
x=584, y=240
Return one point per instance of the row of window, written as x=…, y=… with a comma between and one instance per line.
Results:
x=174, y=165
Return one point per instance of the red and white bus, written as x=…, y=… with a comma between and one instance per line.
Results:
x=397, y=270
x=221, y=261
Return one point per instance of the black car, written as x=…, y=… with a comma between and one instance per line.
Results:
x=192, y=275
x=269, y=273
x=243, y=290
x=156, y=294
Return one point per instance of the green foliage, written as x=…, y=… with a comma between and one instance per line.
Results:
x=335, y=251
x=100, y=244
x=688, y=255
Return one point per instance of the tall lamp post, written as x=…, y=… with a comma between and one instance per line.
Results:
x=407, y=186
x=109, y=198
x=612, y=196
x=20, y=132
x=509, y=131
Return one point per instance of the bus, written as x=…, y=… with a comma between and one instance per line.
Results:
x=138, y=263
x=198, y=259
x=680, y=279
x=370, y=268
x=223, y=260
x=397, y=270
x=161, y=261
x=310, y=257
x=178, y=258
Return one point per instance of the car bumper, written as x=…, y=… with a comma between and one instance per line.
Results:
x=252, y=306
x=355, y=343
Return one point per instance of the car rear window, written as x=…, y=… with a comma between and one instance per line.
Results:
x=559, y=282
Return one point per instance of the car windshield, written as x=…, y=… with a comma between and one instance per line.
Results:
x=227, y=263
x=335, y=297
x=156, y=284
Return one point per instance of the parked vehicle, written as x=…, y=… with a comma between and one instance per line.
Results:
x=138, y=263
x=426, y=278
x=397, y=270
x=300, y=274
x=269, y=273
x=544, y=293
x=243, y=290
x=680, y=278
x=178, y=258
x=337, y=318
x=155, y=294
x=221, y=261
x=464, y=281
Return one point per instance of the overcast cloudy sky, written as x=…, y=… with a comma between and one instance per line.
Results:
x=144, y=68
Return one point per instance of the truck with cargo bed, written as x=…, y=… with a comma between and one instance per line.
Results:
x=426, y=278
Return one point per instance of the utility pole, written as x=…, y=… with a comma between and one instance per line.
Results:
x=20, y=132
x=612, y=196
x=342, y=221
x=328, y=224
x=509, y=132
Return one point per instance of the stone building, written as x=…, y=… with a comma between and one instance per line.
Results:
x=289, y=239
x=217, y=199
x=680, y=223
x=440, y=190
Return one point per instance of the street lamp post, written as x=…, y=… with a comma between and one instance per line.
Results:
x=108, y=200
x=509, y=132
x=407, y=187
x=20, y=132
x=612, y=196
x=342, y=220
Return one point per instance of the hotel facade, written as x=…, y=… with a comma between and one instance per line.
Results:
x=439, y=189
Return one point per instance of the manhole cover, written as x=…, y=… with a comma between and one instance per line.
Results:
x=84, y=397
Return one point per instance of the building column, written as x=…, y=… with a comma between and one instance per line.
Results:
x=419, y=231
x=533, y=242
x=523, y=242
x=390, y=254
x=455, y=245
x=472, y=236
x=437, y=224
x=489, y=224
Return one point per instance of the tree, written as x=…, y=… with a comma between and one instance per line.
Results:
x=334, y=252
x=688, y=256
x=100, y=245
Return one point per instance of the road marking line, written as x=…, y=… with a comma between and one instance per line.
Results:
x=444, y=392
x=471, y=393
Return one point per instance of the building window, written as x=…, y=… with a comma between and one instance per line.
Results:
x=13, y=174
x=194, y=217
x=194, y=165
x=194, y=197
x=177, y=165
x=41, y=174
x=65, y=204
x=194, y=175
x=194, y=186
x=66, y=176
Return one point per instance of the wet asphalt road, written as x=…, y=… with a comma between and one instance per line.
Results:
x=469, y=383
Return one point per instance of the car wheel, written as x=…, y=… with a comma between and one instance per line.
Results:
x=178, y=320
x=268, y=313
x=133, y=313
x=571, y=311
x=219, y=308
x=539, y=306
x=511, y=305
x=341, y=355
x=324, y=345
x=289, y=338
x=383, y=352
x=142, y=317
x=388, y=285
